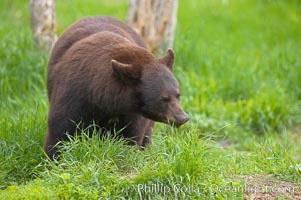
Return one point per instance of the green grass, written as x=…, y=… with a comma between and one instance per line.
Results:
x=239, y=67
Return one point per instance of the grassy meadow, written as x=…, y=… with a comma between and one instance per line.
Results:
x=239, y=67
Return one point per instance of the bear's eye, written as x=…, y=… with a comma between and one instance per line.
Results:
x=165, y=99
x=178, y=96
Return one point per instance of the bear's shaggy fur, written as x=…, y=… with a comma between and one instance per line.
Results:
x=101, y=71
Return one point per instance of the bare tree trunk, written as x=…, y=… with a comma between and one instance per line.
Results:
x=42, y=13
x=155, y=21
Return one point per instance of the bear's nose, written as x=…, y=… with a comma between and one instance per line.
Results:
x=182, y=119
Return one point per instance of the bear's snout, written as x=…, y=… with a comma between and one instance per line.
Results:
x=177, y=115
x=181, y=119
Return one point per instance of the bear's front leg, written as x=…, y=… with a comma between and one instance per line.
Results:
x=136, y=128
x=63, y=118
x=59, y=124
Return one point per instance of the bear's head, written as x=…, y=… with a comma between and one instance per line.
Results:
x=157, y=89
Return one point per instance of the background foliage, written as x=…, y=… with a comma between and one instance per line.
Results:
x=239, y=66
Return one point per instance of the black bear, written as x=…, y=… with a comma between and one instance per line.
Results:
x=101, y=71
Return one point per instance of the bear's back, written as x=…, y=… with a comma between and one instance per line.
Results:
x=91, y=56
x=86, y=27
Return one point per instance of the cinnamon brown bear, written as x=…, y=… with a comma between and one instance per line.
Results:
x=101, y=71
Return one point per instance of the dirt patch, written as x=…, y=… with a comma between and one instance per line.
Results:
x=268, y=187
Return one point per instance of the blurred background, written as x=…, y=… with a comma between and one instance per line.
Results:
x=238, y=61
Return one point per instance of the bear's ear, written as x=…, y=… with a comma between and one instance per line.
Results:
x=168, y=59
x=125, y=71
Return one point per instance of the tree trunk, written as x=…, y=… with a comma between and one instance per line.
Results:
x=42, y=13
x=155, y=21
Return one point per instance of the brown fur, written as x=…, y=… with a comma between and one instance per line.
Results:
x=102, y=73
x=84, y=28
